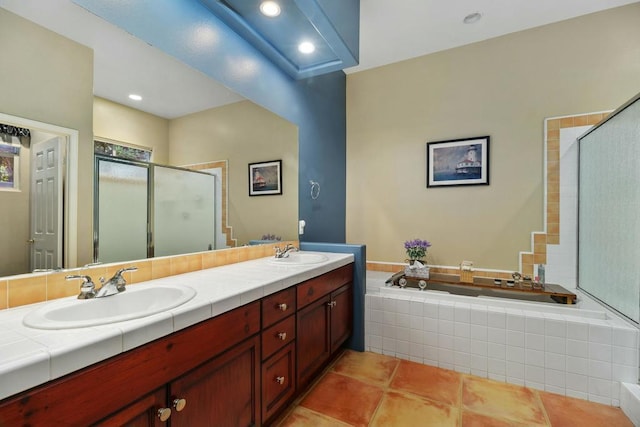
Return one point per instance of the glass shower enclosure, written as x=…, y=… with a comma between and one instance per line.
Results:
x=608, y=206
x=143, y=210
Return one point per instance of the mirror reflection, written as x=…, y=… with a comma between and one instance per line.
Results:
x=222, y=141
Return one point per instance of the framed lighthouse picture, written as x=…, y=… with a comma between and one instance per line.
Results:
x=265, y=178
x=458, y=162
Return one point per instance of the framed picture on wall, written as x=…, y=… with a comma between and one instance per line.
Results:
x=458, y=162
x=265, y=178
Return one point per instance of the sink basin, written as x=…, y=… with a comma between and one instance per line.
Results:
x=134, y=303
x=299, y=258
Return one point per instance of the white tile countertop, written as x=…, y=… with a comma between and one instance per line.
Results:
x=30, y=357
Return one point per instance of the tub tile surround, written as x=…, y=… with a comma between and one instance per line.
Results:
x=579, y=353
x=30, y=357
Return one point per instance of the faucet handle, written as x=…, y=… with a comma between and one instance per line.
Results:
x=118, y=274
x=122, y=270
x=87, y=288
x=118, y=280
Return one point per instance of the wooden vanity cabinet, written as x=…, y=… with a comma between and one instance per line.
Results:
x=238, y=369
x=324, y=320
x=128, y=387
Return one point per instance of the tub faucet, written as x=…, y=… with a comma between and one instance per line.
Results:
x=283, y=253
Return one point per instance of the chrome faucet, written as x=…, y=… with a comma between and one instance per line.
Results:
x=283, y=253
x=87, y=288
x=112, y=286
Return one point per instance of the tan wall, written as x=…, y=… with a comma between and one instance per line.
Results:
x=49, y=78
x=503, y=87
x=244, y=133
x=14, y=221
x=124, y=124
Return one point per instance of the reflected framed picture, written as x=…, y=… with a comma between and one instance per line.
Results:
x=458, y=162
x=265, y=178
x=9, y=167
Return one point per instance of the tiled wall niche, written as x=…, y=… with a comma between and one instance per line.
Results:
x=31, y=288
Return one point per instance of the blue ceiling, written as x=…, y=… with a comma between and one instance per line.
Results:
x=331, y=25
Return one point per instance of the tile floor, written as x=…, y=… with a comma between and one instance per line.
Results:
x=369, y=389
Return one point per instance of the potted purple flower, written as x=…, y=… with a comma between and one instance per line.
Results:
x=416, y=249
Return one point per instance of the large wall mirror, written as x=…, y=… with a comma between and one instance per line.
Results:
x=55, y=83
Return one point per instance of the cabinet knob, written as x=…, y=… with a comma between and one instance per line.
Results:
x=164, y=414
x=179, y=404
x=280, y=380
x=332, y=304
x=282, y=336
x=283, y=307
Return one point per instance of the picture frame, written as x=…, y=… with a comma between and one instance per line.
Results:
x=458, y=162
x=265, y=178
x=9, y=167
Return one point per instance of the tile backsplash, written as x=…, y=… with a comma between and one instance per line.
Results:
x=32, y=288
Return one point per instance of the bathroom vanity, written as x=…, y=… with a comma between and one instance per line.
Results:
x=241, y=367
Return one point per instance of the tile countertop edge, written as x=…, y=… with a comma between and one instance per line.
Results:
x=67, y=348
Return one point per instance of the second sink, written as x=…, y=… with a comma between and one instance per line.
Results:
x=300, y=258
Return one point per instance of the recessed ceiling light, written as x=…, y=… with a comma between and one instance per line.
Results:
x=270, y=8
x=135, y=97
x=306, y=47
x=472, y=18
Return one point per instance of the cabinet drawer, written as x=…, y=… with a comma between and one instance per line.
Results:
x=278, y=381
x=278, y=306
x=318, y=287
x=278, y=335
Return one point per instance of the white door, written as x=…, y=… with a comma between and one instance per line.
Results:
x=46, y=204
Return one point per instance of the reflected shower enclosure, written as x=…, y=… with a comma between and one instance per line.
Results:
x=144, y=210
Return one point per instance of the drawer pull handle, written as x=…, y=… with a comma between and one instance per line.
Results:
x=280, y=380
x=282, y=336
x=332, y=304
x=283, y=307
x=179, y=404
x=164, y=414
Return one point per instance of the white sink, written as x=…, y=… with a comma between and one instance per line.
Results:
x=299, y=258
x=133, y=303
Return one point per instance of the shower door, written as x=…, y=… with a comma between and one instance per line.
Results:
x=144, y=210
x=183, y=206
x=121, y=214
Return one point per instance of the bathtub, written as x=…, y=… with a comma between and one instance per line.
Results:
x=580, y=350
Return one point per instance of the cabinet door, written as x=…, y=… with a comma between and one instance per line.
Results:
x=278, y=381
x=312, y=336
x=223, y=391
x=341, y=316
x=141, y=413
